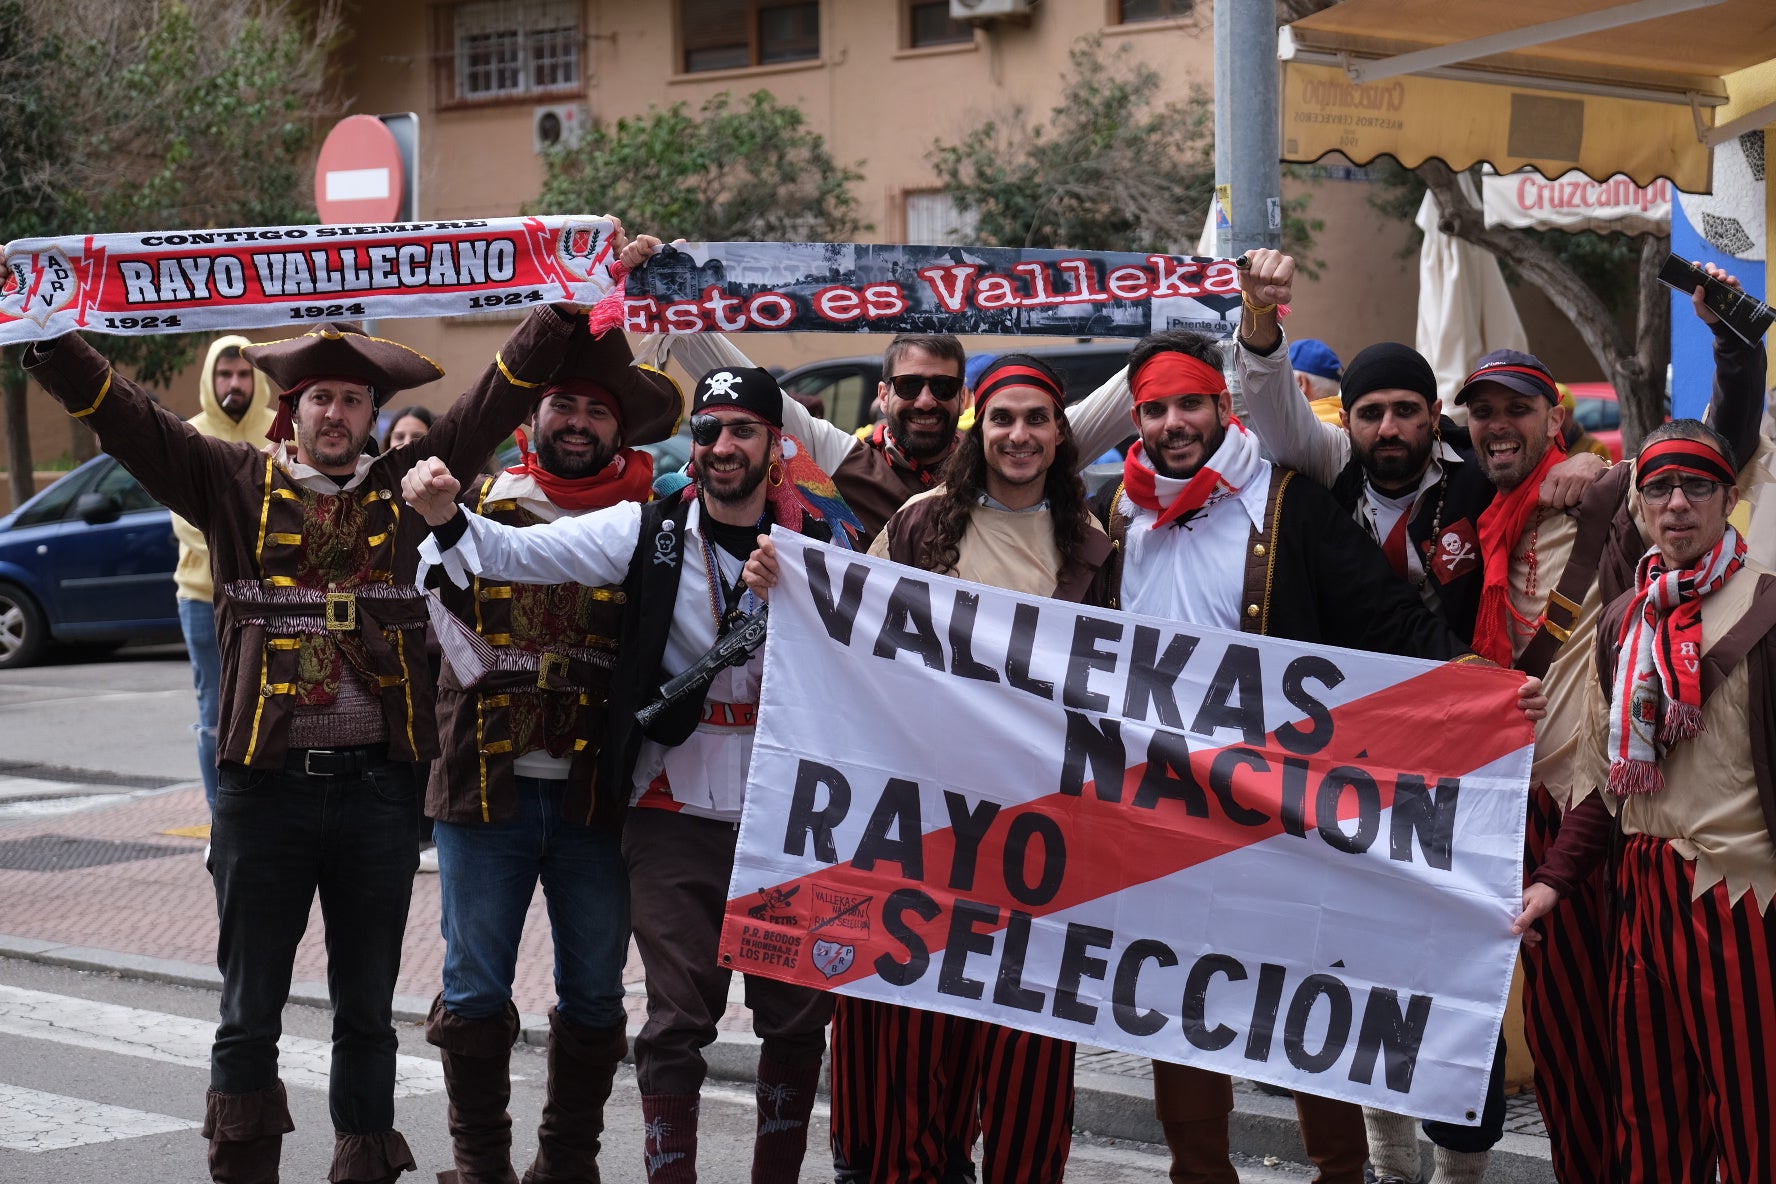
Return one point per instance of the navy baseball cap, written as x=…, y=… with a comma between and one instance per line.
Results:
x=1514, y=370
x=1310, y=355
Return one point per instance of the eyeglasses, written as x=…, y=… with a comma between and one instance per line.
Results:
x=706, y=429
x=944, y=387
x=1695, y=489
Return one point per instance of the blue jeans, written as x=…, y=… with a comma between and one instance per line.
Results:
x=489, y=872
x=280, y=839
x=197, y=618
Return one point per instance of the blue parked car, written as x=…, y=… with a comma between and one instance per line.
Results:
x=88, y=560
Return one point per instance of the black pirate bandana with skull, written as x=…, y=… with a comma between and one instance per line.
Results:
x=746, y=387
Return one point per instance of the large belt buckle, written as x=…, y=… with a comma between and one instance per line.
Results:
x=553, y=666
x=308, y=755
x=341, y=612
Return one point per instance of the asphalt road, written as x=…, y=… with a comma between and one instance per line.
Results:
x=102, y=1078
x=128, y=714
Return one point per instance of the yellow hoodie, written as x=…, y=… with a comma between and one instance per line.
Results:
x=193, y=572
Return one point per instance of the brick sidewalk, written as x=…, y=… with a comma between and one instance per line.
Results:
x=164, y=907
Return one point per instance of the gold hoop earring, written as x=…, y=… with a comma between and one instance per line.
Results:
x=775, y=473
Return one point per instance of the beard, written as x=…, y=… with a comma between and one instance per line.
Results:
x=326, y=451
x=598, y=454
x=235, y=403
x=734, y=488
x=922, y=444
x=1395, y=467
x=1210, y=446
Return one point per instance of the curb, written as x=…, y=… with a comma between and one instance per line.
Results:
x=1108, y=1105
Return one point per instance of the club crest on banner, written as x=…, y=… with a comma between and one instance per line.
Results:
x=833, y=959
x=39, y=284
x=581, y=248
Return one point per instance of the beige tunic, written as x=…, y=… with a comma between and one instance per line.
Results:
x=1013, y=549
x=1709, y=809
x=1560, y=734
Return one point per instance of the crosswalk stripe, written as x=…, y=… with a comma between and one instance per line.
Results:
x=31, y=1120
x=179, y=1040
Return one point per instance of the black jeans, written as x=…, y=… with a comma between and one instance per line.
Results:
x=279, y=838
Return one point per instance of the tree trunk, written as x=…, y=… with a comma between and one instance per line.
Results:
x=82, y=444
x=1641, y=385
x=1637, y=370
x=18, y=428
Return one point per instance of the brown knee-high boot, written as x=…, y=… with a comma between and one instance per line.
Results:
x=246, y=1134
x=669, y=1138
x=477, y=1056
x=1333, y=1133
x=785, y=1099
x=582, y=1063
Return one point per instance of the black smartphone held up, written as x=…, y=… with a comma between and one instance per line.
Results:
x=1744, y=315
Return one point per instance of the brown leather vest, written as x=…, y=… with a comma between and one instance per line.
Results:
x=559, y=708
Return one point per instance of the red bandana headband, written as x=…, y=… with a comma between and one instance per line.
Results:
x=1697, y=458
x=1173, y=373
x=1000, y=378
x=589, y=389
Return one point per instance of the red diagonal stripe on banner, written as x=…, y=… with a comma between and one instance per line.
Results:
x=1422, y=725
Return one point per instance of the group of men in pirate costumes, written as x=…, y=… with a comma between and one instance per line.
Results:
x=573, y=595
x=1505, y=541
x=1517, y=547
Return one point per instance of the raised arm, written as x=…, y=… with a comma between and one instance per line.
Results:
x=506, y=391
x=179, y=466
x=592, y=549
x=1291, y=431
x=1736, y=409
x=1102, y=419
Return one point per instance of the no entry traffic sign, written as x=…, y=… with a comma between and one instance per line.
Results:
x=359, y=176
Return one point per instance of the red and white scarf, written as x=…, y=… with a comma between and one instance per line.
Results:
x=1658, y=691
x=1235, y=464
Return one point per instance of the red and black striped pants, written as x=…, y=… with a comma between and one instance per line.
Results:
x=1695, y=1016
x=913, y=1089
x=1566, y=1012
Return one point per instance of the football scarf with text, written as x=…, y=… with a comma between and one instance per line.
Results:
x=1658, y=685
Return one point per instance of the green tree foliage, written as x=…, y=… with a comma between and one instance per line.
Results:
x=156, y=116
x=1113, y=169
x=747, y=172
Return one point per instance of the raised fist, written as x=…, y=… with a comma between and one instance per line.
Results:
x=430, y=489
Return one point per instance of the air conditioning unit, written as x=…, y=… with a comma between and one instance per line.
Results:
x=558, y=125
x=986, y=10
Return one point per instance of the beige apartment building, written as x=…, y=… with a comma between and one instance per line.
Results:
x=882, y=80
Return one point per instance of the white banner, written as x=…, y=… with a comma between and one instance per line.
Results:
x=1573, y=202
x=1291, y=863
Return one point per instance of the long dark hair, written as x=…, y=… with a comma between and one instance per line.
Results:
x=965, y=480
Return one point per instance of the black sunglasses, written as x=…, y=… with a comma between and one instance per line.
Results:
x=944, y=387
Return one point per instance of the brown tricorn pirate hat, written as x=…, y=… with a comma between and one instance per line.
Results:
x=337, y=350
x=649, y=403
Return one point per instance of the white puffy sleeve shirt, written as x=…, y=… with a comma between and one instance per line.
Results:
x=706, y=775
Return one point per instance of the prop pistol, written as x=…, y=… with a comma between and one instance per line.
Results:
x=1745, y=315
x=731, y=649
